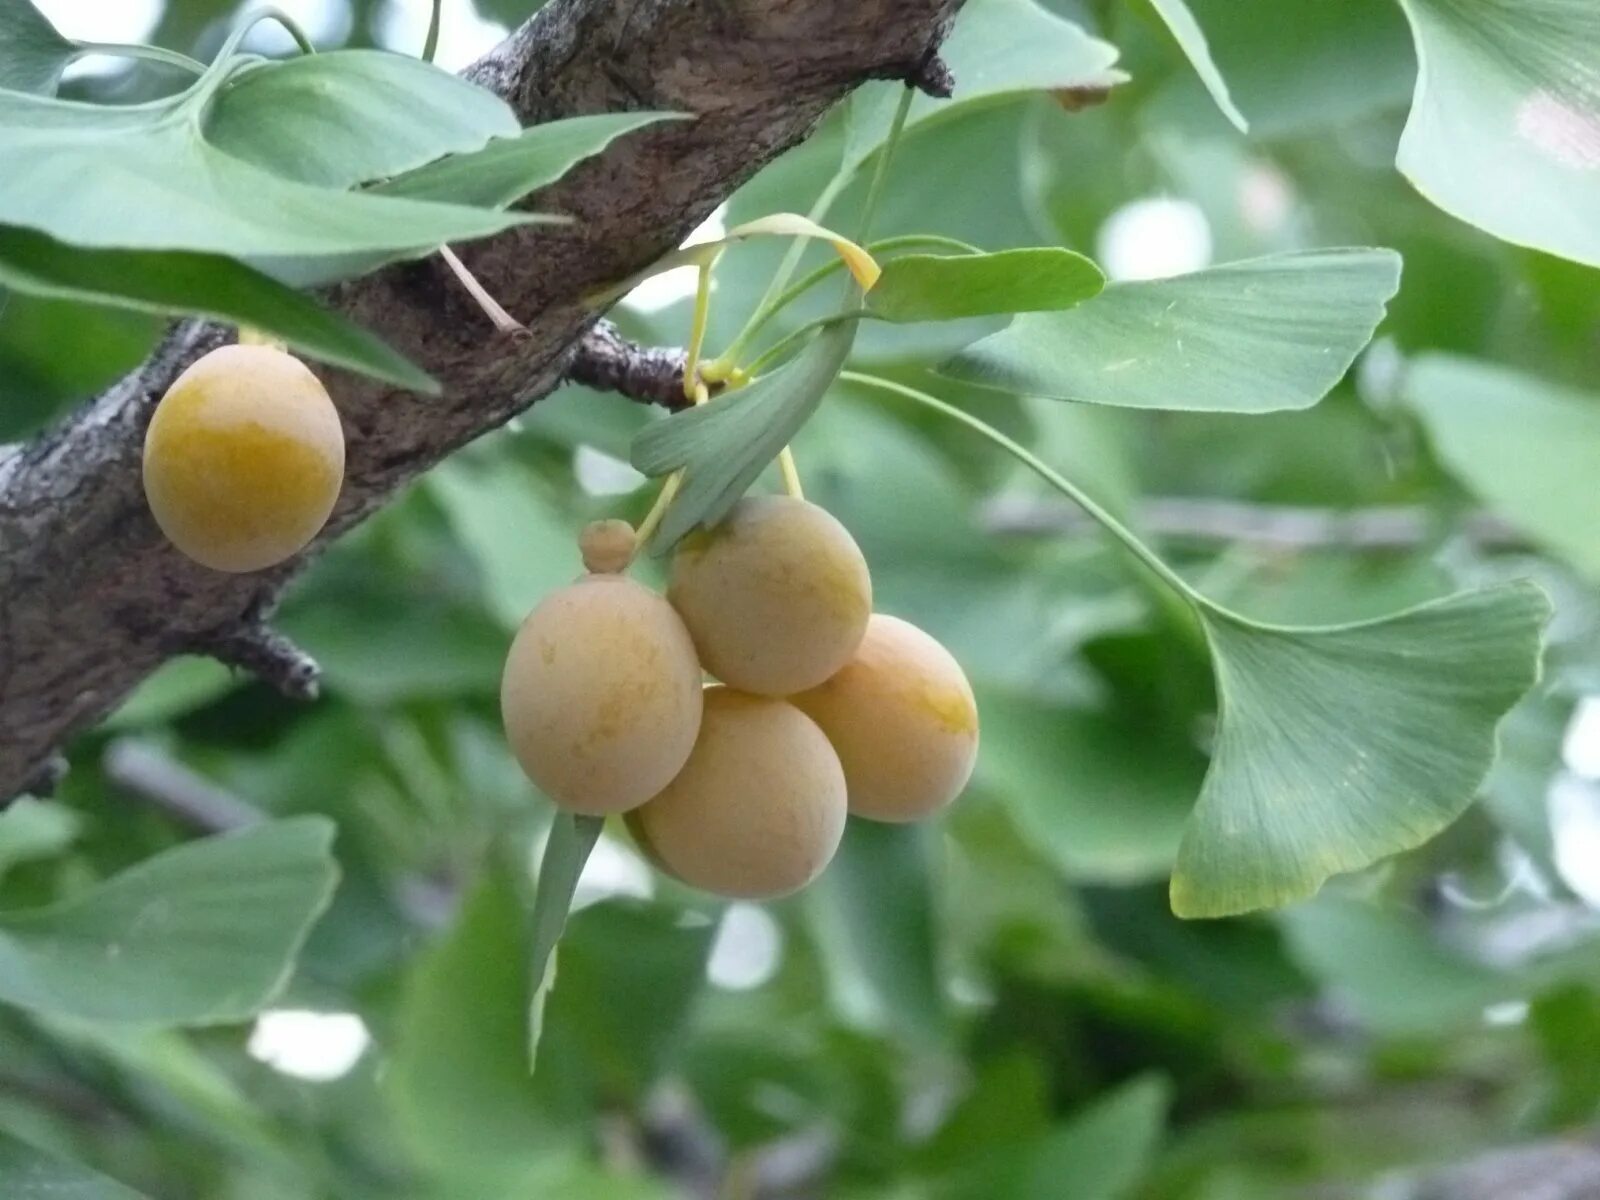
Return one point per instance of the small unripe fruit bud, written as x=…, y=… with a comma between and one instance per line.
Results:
x=607, y=546
x=759, y=808
x=601, y=695
x=902, y=717
x=243, y=458
x=776, y=597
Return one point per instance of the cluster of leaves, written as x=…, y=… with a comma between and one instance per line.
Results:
x=1005, y=1007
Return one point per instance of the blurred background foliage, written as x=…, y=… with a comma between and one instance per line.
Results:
x=1001, y=1006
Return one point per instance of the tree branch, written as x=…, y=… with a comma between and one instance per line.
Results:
x=92, y=599
x=609, y=362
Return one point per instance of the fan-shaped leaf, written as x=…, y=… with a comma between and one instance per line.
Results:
x=1256, y=336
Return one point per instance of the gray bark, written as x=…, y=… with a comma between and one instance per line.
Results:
x=92, y=598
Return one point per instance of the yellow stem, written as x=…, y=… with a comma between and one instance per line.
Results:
x=697, y=331
x=791, y=473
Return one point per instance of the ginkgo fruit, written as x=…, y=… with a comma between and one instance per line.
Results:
x=243, y=458
x=903, y=720
x=759, y=808
x=601, y=696
x=776, y=596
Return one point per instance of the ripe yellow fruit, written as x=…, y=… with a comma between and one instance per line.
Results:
x=902, y=717
x=776, y=597
x=243, y=458
x=601, y=695
x=759, y=808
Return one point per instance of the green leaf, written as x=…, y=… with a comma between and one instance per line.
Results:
x=1192, y=40
x=34, y=829
x=181, y=283
x=523, y=545
x=1255, y=336
x=344, y=117
x=572, y=840
x=1339, y=745
x=1104, y=797
x=1529, y=448
x=722, y=446
x=203, y=934
x=458, y=1078
x=37, y=382
x=876, y=903
x=933, y=287
x=999, y=49
x=508, y=168
x=1504, y=131
x=32, y=54
x=1386, y=965
x=1101, y=1152
x=31, y=1174
x=621, y=959
x=160, y=185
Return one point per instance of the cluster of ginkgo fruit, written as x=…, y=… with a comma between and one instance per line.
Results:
x=822, y=707
x=741, y=788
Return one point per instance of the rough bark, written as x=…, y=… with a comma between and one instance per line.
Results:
x=92, y=599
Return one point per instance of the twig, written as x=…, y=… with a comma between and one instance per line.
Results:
x=1286, y=527
x=609, y=362
x=252, y=645
x=165, y=783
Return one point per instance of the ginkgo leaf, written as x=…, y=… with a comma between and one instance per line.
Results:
x=344, y=117
x=572, y=840
x=722, y=446
x=1528, y=447
x=1192, y=39
x=182, y=283
x=508, y=168
x=1504, y=130
x=998, y=49
x=1257, y=336
x=945, y=287
x=32, y=54
x=199, y=935
x=1340, y=745
x=160, y=185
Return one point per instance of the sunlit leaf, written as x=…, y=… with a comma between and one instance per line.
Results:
x=931, y=287
x=1504, y=129
x=344, y=117
x=1256, y=336
x=1340, y=745
x=572, y=839
x=998, y=49
x=32, y=54
x=722, y=446
x=1529, y=448
x=1192, y=39
x=203, y=934
x=183, y=283
x=31, y=1174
